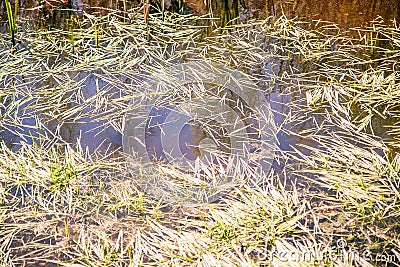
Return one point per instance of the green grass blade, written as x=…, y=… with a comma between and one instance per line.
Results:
x=11, y=22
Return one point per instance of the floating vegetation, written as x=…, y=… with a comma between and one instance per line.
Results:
x=68, y=194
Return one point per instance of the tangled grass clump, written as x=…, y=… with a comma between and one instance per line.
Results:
x=333, y=189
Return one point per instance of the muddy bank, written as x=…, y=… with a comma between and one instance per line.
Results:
x=343, y=12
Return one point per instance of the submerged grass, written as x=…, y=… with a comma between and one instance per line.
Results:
x=332, y=198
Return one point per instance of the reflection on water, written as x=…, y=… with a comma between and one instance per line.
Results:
x=88, y=129
x=92, y=132
x=26, y=131
x=24, y=120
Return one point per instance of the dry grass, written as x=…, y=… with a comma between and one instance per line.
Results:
x=333, y=188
